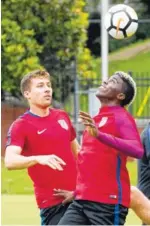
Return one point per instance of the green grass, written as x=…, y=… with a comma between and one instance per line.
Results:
x=15, y=182
x=130, y=47
x=132, y=169
x=22, y=210
x=137, y=64
x=19, y=210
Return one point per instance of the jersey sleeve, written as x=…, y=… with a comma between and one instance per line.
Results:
x=128, y=139
x=72, y=130
x=145, y=138
x=16, y=135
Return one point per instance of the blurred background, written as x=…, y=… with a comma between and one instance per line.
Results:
x=65, y=38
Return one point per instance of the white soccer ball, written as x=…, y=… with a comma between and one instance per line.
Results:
x=121, y=21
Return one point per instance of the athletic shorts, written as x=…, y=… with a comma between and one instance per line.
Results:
x=81, y=212
x=52, y=215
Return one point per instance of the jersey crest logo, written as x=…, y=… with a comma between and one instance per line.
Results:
x=103, y=121
x=63, y=124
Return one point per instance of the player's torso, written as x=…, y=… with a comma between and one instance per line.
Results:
x=46, y=136
x=100, y=167
x=93, y=151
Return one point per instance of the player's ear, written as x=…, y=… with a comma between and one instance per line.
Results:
x=26, y=94
x=121, y=96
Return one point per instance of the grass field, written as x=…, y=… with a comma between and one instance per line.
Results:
x=22, y=210
x=18, y=203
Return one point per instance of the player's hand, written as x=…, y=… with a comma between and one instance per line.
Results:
x=67, y=195
x=52, y=161
x=89, y=122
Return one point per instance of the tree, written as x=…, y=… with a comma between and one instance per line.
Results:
x=19, y=54
x=42, y=33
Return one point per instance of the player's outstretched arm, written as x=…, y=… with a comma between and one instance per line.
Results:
x=140, y=204
x=14, y=160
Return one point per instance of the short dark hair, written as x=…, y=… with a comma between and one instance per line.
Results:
x=26, y=80
x=129, y=88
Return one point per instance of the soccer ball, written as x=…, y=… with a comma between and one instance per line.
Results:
x=121, y=21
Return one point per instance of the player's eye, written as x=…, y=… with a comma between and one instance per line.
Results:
x=112, y=81
x=40, y=85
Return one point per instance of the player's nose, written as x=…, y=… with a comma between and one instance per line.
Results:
x=48, y=91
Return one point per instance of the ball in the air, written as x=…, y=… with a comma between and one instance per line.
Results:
x=121, y=21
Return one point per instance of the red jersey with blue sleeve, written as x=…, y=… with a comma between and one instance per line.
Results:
x=102, y=175
x=44, y=136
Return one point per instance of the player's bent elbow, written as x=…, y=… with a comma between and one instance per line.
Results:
x=9, y=165
x=140, y=154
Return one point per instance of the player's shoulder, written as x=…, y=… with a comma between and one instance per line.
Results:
x=20, y=121
x=124, y=116
x=61, y=115
x=59, y=112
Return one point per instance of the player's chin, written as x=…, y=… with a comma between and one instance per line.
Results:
x=46, y=104
x=100, y=93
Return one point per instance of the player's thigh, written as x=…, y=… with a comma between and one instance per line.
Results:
x=74, y=215
x=140, y=204
x=106, y=214
x=52, y=215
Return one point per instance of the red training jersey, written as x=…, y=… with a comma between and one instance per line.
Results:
x=102, y=175
x=45, y=136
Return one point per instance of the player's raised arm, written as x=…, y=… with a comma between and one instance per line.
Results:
x=128, y=142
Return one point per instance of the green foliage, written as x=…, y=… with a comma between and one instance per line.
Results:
x=42, y=33
x=19, y=51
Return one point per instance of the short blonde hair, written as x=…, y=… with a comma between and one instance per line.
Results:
x=130, y=90
x=26, y=80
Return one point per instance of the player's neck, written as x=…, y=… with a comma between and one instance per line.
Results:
x=42, y=112
x=106, y=102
